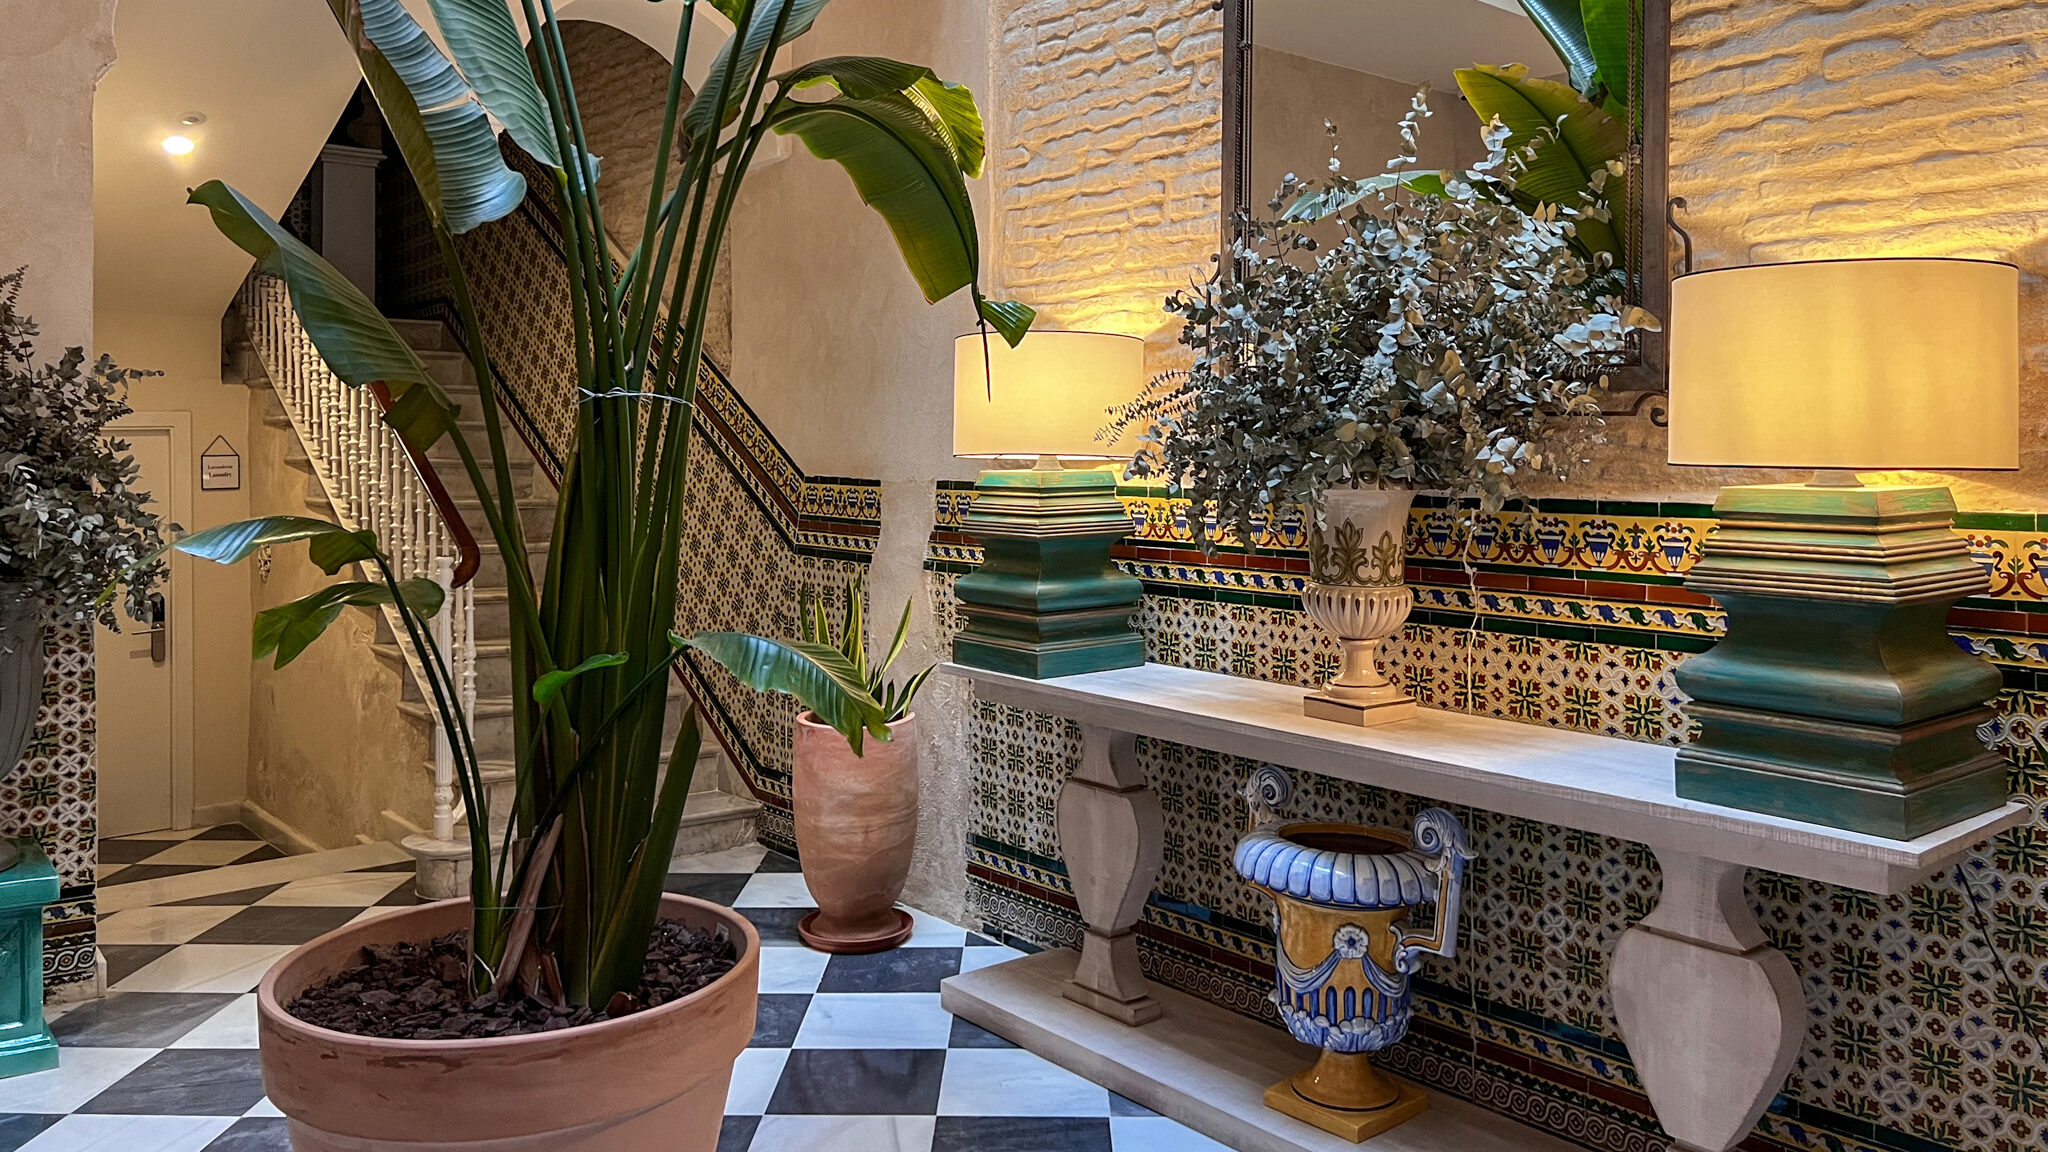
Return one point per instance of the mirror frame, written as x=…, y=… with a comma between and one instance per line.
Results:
x=1637, y=390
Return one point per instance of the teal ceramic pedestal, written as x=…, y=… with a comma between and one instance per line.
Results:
x=1047, y=600
x=25, y=890
x=1837, y=696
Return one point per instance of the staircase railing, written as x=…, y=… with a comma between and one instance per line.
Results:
x=374, y=480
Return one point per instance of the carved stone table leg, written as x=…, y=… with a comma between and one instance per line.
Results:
x=1110, y=833
x=1712, y=1014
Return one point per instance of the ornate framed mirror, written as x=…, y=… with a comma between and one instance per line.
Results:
x=1290, y=66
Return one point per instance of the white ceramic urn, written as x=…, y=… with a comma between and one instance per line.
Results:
x=1358, y=590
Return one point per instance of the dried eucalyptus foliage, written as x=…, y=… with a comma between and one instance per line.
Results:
x=71, y=522
x=1449, y=341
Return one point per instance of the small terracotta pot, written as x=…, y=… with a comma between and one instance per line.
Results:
x=654, y=1081
x=856, y=828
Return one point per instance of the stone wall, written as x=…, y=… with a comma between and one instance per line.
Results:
x=1106, y=153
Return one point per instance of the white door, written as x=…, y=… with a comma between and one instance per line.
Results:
x=134, y=683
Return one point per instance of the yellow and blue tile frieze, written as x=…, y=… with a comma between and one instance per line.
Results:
x=1561, y=566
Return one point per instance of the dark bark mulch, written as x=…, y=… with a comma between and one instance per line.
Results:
x=418, y=992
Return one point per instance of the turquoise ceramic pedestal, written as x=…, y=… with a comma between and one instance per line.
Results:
x=25, y=889
x=1047, y=600
x=1837, y=696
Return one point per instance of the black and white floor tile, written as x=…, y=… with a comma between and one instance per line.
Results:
x=851, y=1053
x=155, y=855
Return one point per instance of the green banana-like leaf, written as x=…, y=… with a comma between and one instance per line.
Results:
x=423, y=596
x=419, y=419
x=1562, y=22
x=1320, y=205
x=1010, y=319
x=335, y=550
x=705, y=115
x=818, y=675
x=492, y=58
x=401, y=113
x=231, y=543
x=550, y=684
x=289, y=628
x=1607, y=36
x=908, y=174
x=357, y=342
x=1573, y=139
x=949, y=107
x=475, y=185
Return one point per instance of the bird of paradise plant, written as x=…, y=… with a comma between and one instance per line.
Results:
x=591, y=640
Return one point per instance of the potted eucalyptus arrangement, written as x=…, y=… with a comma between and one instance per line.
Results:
x=1451, y=339
x=568, y=1003
x=855, y=799
x=71, y=520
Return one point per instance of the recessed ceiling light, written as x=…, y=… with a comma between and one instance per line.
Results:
x=194, y=118
x=178, y=145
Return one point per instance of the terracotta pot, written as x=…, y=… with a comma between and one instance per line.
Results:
x=654, y=1081
x=856, y=828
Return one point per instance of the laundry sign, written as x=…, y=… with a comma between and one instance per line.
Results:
x=220, y=466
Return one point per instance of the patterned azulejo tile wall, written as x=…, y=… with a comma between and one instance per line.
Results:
x=50, y=799
x=1915, y=1042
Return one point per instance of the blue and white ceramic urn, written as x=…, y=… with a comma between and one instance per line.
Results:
x=1352, y=928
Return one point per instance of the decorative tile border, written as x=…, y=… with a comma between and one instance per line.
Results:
x=52, y=798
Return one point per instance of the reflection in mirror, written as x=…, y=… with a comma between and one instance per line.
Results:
x=1355, y=65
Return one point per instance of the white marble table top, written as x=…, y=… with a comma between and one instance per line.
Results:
x=1600, y=784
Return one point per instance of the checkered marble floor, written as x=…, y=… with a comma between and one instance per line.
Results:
x=155, y=855
x=851, y=1054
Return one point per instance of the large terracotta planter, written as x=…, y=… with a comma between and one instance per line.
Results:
x=856, y=828
x=654, y=1081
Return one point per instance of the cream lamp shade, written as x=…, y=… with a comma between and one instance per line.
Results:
x=1048, y=396
x=1848, y=364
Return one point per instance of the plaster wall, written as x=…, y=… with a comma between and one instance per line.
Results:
x=839, y=354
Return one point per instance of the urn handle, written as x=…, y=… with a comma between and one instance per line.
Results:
x=1440, y=837
x=1265, y=793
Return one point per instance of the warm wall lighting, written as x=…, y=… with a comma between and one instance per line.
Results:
x=178, y=145
x=1874, y=364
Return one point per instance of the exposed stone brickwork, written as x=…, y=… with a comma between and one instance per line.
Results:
x=1829, y=128
x=1108, y=155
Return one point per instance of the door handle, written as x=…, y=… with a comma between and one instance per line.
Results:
x=159, y=628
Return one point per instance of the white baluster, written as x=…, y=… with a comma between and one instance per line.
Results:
x=444, y=750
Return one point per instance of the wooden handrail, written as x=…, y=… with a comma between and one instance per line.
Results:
x=469, y=556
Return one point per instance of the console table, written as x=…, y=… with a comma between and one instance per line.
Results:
x=1712, y=1015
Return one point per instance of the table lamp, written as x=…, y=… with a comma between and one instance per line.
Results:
x=1047, y=600
x=1837, y=696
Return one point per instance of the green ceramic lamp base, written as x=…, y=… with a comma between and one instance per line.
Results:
x=1837, y=696
x=25, y=1041
x=1048, y=600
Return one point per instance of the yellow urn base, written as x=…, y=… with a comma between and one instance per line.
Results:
x=1344, y=1095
